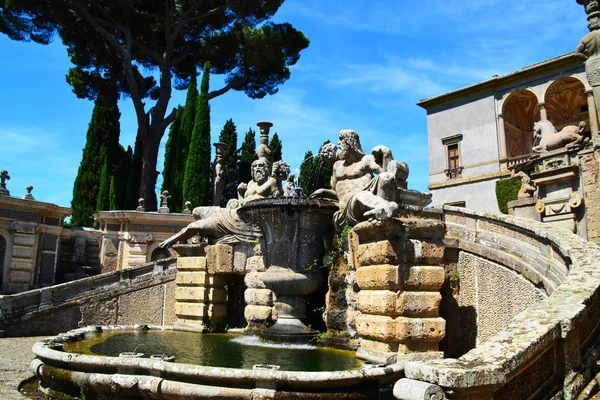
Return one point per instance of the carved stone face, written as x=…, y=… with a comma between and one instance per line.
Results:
x=260, y=171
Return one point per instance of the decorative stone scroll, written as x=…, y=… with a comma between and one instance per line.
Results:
x=138, y=237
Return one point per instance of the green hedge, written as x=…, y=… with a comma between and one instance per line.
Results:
x=507, y=190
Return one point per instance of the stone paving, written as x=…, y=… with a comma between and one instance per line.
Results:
x=14, y=364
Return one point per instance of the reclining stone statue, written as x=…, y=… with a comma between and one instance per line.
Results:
x=546, y=138
x=364, y=185
x=222, y=225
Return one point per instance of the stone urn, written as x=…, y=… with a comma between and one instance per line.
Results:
x=295, y=233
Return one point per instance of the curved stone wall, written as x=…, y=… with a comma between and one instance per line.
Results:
x=550, y=347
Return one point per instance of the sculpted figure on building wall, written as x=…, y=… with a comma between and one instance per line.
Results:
x=527, y=189
x=548, y=138
x=79, y=247
x=224, y=224
x=364, y=185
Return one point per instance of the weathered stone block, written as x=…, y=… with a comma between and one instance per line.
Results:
x=259, y=297
x=420, y=329
x=99, y=312
x=24, y=239
x=200, y=294
x=418, y=304
x=255, y=263
x=141, y=307
x=408, y=348
x=219, y=259
x=110, y=256
x=241, y=253
x=191, y=309
x=191, y=263
x=379, y=302
x=376, y=327
x=22, y=264
x=378, y=277
x=374, y=253
x=253, y=281
x=169, y=304
x=379, y=346
x=422, y=277
x=20, y=277
x=22, y=251
x=199, y=278
x=257, y=313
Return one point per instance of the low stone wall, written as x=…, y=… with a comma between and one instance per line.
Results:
x=550, y=348
x=139, y=295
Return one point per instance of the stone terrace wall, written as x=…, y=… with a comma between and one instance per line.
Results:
x=549, y=349
x=139, y=295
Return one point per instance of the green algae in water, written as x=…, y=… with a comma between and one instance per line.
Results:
x=215, y=350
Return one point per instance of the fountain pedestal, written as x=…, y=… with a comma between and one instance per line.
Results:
x=295, y=233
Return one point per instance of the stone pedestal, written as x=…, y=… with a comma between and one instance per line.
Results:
x=524, y=208
x=558, y=184
x=200, y=296
x=399, y=272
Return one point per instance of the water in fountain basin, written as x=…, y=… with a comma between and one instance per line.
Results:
x=217, y=350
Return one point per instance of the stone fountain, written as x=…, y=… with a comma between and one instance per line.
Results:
x=296, y=234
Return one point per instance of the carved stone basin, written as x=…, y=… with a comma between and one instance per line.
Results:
x=295, y=233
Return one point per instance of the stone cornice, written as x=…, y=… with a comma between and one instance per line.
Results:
x=469, y=179
x=554, y=64
x=114, y=217
x=47, y=209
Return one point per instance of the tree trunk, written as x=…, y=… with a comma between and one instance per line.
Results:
x=150, y=144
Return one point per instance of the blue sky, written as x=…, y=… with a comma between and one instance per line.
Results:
x=368, y=64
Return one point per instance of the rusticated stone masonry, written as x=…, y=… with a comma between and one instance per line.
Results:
x=206, y=286
x=200, y=296
x=399, y=270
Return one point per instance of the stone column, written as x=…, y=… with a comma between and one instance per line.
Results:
x=200, y=296
x=543, y=112
x=24, y=250
x=501, y=137
x=593, y=114
x=399, y=270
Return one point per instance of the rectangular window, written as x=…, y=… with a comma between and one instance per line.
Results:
x=453, y=161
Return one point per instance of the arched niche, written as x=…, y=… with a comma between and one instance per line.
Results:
x=5, y=258
x=155, y=252
x=566, y=103
x=520, y=111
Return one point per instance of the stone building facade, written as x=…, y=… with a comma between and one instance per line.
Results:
x=476, y=131
x=30, y=238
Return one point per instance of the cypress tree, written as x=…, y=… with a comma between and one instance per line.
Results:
x=197, y=178
x=275, y=146
x=103, y=200
x=247, y=156
x=228, y=136
x=101, y=141
x=180, y=147
x=314, y=174
x=134, y=177
x=118, y=183
x=306, y=174
x=172, y=151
